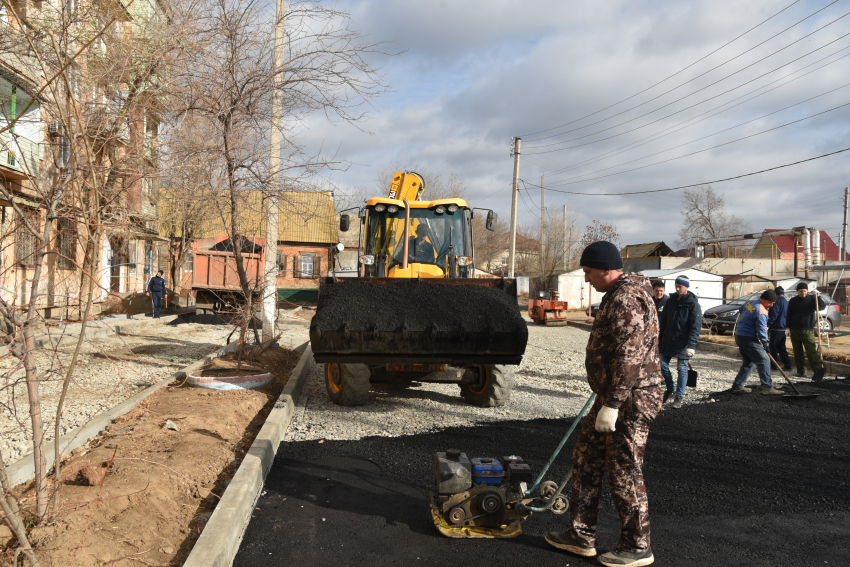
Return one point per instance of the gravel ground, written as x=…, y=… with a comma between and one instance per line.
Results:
x=108, y=371
x=550, y=383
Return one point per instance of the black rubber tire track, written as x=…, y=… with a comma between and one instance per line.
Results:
x=748, y=480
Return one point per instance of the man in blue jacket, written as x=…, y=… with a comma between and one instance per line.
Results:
x=776, y=329
x=751, y=337
x=155, y=290
x=680, y=324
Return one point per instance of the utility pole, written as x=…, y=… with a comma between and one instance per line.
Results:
x=542, y=226
x=272, y=202
x=512, y=251
x=844, y=228
x=566, y=241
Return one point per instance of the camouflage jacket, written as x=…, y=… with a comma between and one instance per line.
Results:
x=622, y=352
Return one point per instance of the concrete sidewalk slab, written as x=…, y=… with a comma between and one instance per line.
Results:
x=222, y=535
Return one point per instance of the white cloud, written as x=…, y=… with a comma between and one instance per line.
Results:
x=477, y=73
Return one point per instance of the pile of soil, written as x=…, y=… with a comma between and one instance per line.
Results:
x=161, y=485
x=415, y=305
x=747, y=480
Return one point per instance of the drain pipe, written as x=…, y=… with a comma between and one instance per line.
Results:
x=815, y=247
x=807, y=251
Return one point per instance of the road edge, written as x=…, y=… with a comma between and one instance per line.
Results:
x=23, y=470
x=220, y=540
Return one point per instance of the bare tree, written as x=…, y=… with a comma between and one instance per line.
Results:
x=226, y=83
x=600, y=230
x=94, y=78
x=704, y=215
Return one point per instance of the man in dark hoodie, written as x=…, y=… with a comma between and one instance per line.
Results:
x=680, y=326
x=660, y=297
x=624, y=372
x=802, y=318
x=776, y=329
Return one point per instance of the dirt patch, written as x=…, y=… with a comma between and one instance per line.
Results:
x=838, y=351
x=140, y=494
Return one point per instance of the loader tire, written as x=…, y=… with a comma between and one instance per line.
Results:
x=493, y=390
x=347, y=384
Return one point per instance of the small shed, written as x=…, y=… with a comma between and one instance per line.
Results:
x=706, y=286
x=737, y=286
x=575, y=291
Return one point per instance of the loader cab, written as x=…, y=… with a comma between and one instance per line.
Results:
x=439, y=241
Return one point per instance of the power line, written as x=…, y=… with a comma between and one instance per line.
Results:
x=645, y=140
x=666, y=79
x=568, y=182
x=694, y=184
x=697, y=91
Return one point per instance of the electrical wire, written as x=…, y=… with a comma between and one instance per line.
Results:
x=693, y=93
x=568, y=182
x=666, y=79
x=647, y=139
x=717, y=67
x=696, y=184
x=494, y=192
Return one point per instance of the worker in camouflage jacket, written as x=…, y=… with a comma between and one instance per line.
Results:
x=624, y=371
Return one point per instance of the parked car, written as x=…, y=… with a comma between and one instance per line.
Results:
x=723, y=317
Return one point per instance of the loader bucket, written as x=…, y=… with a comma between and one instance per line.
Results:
x=460, y=322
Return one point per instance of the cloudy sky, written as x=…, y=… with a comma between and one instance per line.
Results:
x=588, y=87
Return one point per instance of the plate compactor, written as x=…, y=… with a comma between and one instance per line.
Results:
x=483, y=497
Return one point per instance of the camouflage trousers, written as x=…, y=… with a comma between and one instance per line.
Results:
x=620, y=454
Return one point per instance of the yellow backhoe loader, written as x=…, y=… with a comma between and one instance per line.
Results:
x=416, y=311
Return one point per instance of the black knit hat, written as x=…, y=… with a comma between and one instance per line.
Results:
x=802, y=285
x=769, y=295
x=601, y=255
x=780, y=290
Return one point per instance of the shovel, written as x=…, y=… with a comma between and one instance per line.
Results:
x=796, y=395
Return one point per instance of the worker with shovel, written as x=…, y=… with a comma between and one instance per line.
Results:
x=624, y=371
x=751, y=338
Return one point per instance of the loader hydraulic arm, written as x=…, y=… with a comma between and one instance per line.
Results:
x=406, y=185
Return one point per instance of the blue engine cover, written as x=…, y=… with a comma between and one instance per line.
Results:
x=487, y=471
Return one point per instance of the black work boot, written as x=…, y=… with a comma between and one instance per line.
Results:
x=627, y=558
x=677, y=402
x=569, y=542
x=818, y=375
x=667, y=395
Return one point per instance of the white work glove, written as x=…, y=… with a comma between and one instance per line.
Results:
x=605, y=419
x=690, y=353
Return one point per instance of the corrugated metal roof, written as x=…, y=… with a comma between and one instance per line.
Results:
x=644, y=250
x=304, y=217
x=307, y=217
x=662, y=273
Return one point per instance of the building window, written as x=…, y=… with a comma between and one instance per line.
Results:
x=66, y=232
x=307, y=266
x=26, y=243
x=187, y=266
x=281, y=264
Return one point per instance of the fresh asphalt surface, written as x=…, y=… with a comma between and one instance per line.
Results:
x=747, y=480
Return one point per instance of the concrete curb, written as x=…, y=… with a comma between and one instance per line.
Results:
x=23, y=469
x=833, y=368
x=97, y=329
x=220, y=540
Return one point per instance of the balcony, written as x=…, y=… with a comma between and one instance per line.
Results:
x=19, y=157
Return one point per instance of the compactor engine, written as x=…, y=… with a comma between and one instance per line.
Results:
x=417, y=311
